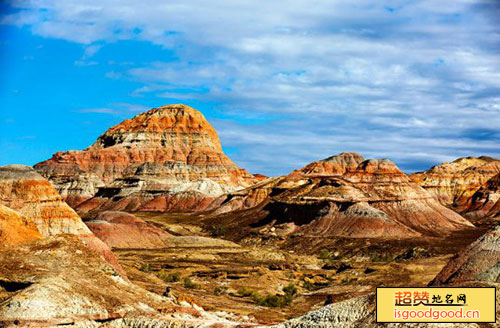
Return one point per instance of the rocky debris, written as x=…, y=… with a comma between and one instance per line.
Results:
x=356, y=312
x=480, y=262
x=59, y=281
x=16, y=229
x=123, y=230
x=345, y=314
x=24, y=190
x=145, y=157
x=344, y=196
x=454, y=184
x=486, y=201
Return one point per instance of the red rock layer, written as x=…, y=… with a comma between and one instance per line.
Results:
x=16, y=229
x=27, y=192
x=486, y=201
x=179, y=142
x=478, y=262
x=453, y=184
x=123, y=230
x=346, y=196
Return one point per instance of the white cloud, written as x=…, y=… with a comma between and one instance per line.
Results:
x=407, y=80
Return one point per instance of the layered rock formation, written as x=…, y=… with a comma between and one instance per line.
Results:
x=486, y=201
x=454, y=184
x=123, y=230
x=144, y=158
x=480, y=262
x=24, y=190
x=15, y=229
x=346, y=196
x=58, y=281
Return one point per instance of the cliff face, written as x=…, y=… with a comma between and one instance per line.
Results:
x=454, y=184
x=346, y=196
x=24, y=190
x=151, y=153
x=486, y=201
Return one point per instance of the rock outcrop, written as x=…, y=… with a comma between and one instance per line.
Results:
x=58, y=281
x=486, y=201
x=25, y=191
x=480, y=262
x=15, y=229
x=144, y=158
x=123, y=230
x=454, y=184
x=345, y=196
x=355, y=313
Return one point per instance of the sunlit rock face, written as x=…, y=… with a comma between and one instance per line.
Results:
x=345, y=195
x=58, y=281
x=142, y=157
x=25, y=191
x=124, y=230
x=16, y=229
x=454, y=184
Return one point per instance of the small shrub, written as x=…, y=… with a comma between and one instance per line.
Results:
x=218, y=230
x=220, y=290
x=145, y=267
x=324, y=254
x=348, y=280
x=245, y=291
x=169, y=277
x=272, y=300
x=290, y=290
x=382, y=258
x=188, y=283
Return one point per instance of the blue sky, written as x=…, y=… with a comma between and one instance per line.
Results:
x=284, y=82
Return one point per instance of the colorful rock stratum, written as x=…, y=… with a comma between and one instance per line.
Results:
x=344, y=195
x=166, y=159
x=455, y=184
x=38, y=204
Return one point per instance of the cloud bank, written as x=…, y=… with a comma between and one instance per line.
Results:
x=296, y=81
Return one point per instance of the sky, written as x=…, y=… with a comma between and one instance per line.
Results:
x=284, y=83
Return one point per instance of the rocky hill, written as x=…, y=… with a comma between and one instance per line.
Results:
x=25, y=191
x=344, y=195
x=454, y=184
x=137, y=163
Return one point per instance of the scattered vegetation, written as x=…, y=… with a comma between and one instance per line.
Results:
x=310, y=286
x=188, y=283
x=145, y=267
x=169, y=277
x=348, y=280
x=246, y=291
x=325, y=254
x=382, y=258
x=220, y=290
x=269, y=300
